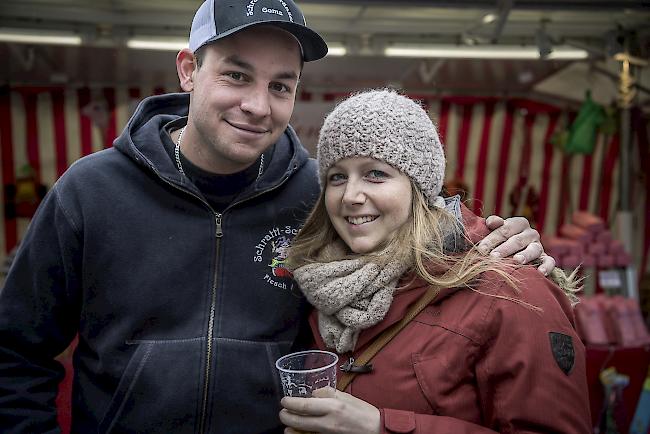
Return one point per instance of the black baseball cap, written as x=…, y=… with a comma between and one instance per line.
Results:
x=216, y=19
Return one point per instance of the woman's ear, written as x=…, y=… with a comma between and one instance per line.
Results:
x=185, y=67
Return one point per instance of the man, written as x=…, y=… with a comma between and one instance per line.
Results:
x=165, y=253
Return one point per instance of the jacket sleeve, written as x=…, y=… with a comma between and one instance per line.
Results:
x=401, y=421
x=38, y=319
x=475, y=226
x=531, y=373
x=530, y=369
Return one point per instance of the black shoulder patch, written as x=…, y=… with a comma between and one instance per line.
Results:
x=563, y=352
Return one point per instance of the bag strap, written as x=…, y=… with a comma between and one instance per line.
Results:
x=380, y=341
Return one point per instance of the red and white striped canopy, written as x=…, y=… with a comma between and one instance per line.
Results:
x=493, y=145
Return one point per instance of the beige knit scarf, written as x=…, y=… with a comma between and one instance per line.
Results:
x=350, y=295
x=355, y=294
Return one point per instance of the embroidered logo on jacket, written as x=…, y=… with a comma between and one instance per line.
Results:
x=273, y=248
x=563, y=352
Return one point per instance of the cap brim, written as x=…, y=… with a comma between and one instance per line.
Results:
x=312, y=44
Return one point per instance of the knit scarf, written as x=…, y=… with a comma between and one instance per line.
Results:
x=350, y=295
x=354, y=294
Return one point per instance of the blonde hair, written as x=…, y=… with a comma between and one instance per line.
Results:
x=432, y=242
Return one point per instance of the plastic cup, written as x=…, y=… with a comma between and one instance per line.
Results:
x=305, y=371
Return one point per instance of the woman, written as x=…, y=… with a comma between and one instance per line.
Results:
x=496, y=350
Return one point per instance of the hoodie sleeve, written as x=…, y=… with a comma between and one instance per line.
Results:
x=39, y=313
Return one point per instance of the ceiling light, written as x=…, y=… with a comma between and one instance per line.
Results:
x=481, y=52
x=165, y=44
x=489, y=18
x=567, y=53
x=336, y=49
x=32, y=36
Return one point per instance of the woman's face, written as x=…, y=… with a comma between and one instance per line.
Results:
x=367, y=200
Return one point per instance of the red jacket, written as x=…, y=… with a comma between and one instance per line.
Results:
x=472, y=363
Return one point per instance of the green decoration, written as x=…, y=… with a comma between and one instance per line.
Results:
x=582, y=134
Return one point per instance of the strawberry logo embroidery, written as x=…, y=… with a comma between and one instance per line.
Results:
x=273, y=249
x=280, y=251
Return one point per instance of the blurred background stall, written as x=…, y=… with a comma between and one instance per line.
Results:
x=543, y=106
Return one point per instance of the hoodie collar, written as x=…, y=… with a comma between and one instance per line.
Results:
x=141, y=141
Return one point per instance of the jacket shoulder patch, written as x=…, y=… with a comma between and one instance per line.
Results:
x=563, y=352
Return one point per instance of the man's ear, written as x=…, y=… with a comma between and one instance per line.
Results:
x=185, y=67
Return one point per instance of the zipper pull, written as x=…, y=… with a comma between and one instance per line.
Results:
x=219, y=233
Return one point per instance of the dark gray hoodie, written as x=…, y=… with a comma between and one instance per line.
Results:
x=181, y=311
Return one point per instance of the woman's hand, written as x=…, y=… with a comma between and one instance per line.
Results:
x=329, y=411
x=514, y=236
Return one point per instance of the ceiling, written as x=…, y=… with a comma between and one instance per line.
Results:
x=364, y=27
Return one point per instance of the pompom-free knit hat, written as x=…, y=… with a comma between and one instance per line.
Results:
x=385, y=125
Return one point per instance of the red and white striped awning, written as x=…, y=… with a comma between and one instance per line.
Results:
x=494, y=145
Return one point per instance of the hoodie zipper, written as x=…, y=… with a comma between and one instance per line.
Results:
x=210, y=337
x=213, y=303
x=218, y=218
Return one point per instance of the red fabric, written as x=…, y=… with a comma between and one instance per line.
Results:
x=504, y=155
x=64, y=396
x=463, y=140
x=590, y=321
x=398, y=421
x=608, y=173
x=63, y=399
x=134, y=93
x=546, y=171
x=85, y=126
x=7, y=154
x=619, y=316
x=444, y=120
x=585, y=183
x=472, y=363
x=644, y=157
x=565, y=196
x=111, y=129
x=524, y=162
x=60, y=137
x=534, y=107
x=496, y=369
x=481, y=169
x=31, y=120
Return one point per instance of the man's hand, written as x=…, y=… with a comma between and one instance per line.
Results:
x=514, y=236
x=329, y=412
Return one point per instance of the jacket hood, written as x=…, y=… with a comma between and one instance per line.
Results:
x=140, y=140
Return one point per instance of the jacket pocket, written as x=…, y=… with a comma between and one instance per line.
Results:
x=160, y=383
x=447, y=380
x=246, y=383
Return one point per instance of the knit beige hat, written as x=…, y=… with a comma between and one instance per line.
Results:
x=385, y=125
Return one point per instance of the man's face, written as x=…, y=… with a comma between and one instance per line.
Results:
x=242, y=98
